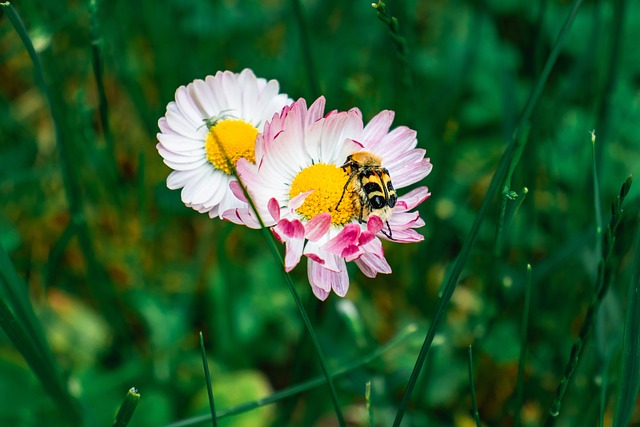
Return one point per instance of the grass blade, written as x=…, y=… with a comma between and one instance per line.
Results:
x=300, y=388
x=367, y=398
x=103, y=106
x=498, y=177
x=207, y=375
x=630, y=367
x=474, y=403
x=127, y=408
x=523, y=349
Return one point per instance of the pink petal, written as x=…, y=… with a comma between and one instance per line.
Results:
x=274, y=209
x=292, y=229
x=315, y=258
x=315, y=110
x=298, y=200
x=346, y=237
x=318, y=226
x=378, y=126
x=374, y=224
x=366, y=237
x=415, y=197
x=242, y=216
x=321, y=294
x=351, y=252
x=326, y=280
x=236, y=189
x=318, y=276
x=340, y=281
x=293, y=253
x=371, y=265
x=405, y=236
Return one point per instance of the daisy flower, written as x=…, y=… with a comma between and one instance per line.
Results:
x=322, y=206
x=211, y=124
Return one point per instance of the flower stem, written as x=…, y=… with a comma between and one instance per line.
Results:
x=278, y=257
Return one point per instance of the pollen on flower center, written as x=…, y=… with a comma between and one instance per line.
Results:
x=328, y=183
x=229, y=140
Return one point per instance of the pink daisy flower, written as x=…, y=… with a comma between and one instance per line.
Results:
x=211, y=124
x=323, y=185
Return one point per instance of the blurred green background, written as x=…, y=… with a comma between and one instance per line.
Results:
x=123, y=276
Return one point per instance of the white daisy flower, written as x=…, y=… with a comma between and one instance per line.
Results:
x=211, y=124
x=323, y=185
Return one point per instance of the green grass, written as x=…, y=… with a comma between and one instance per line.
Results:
x=106, y=277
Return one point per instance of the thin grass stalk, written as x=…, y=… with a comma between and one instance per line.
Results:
x=596, y=189
x=398, y=39
x=287, y=277
x=616, y=29
x=602, y=354
x=472, y=389
x=207, y=379
x=367, y=398
x=452, y=281
x=97, y=64
x=522, y=195
x=305, y=45
x=524, y=331
x=301, y=388
x=630, y=367
x=507, y=193
x=602, y=285
x=127, y=408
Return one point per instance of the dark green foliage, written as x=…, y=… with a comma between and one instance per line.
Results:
x=121, y=276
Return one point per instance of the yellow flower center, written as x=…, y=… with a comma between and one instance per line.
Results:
x=229, y=140
x=328, y=183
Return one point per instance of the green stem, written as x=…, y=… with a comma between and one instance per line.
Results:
x=278, y=257
x=474, y=403
x=367, y=398
x=127, y=408
x=523, y=349
x=207, y=376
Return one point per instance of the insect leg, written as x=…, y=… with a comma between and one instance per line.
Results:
x=346, y=186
